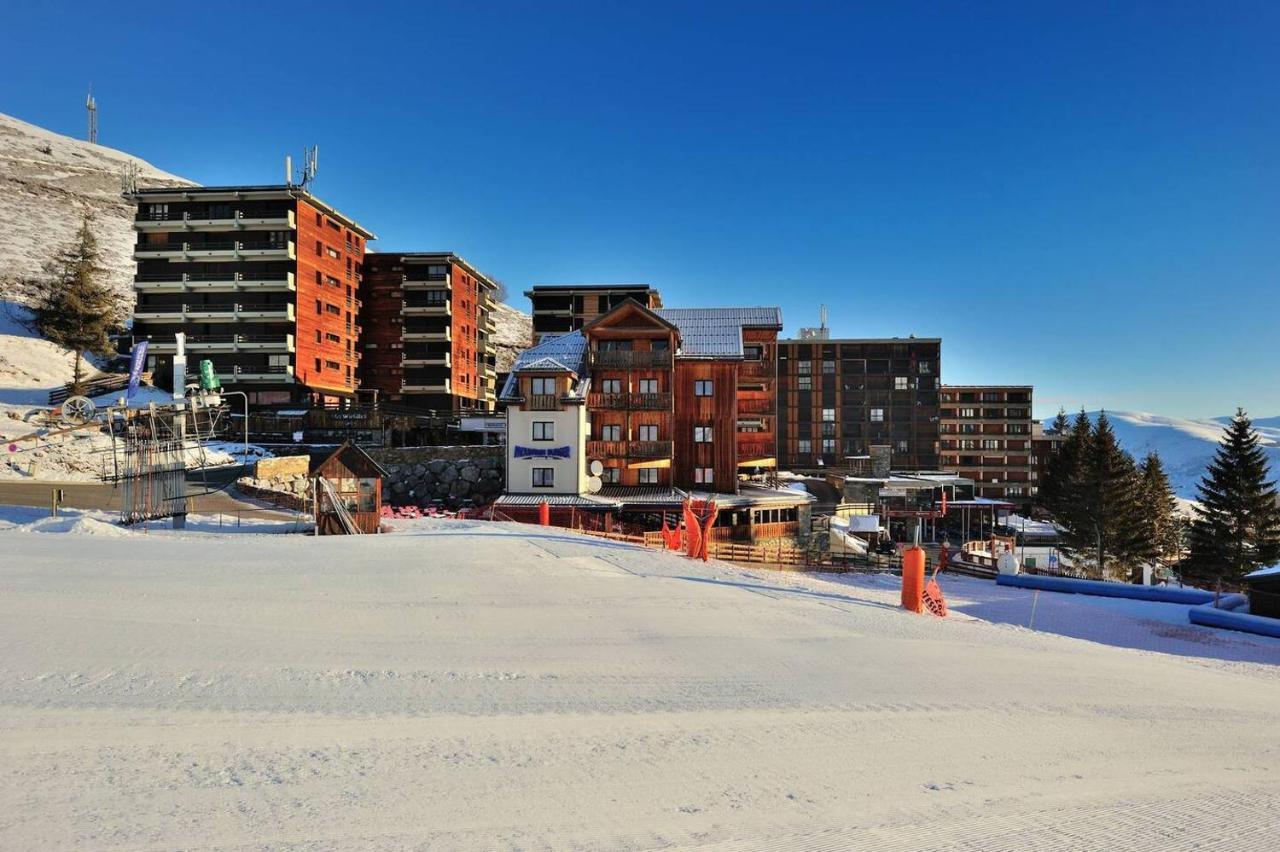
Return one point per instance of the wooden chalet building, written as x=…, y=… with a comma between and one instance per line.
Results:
x=672, y=402
x=348, y=491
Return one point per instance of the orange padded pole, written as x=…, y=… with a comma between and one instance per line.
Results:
x=913, y=579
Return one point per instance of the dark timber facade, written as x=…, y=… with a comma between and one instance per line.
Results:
x=561, y=308
x=986, y=436
x=840, y=398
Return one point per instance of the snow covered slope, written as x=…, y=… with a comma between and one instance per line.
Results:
x=514, y=329
x=473, y=685
x=1185, y=446
x=47, y=182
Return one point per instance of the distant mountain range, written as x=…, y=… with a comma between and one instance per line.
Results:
x=1185, y=446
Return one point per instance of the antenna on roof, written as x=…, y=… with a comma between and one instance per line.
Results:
x=822, y=317
x=310, y=165
x=819, y=333
x=92, y=106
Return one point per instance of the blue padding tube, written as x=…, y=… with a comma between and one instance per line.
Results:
x=1228, y=620
x=1161, y=594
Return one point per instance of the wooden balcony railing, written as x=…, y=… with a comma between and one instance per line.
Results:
x=756, y=406
x=541, y=402
x=630, y=401
x=756, y=369
x=755, y=449
x=630, y=359
x=629, y=449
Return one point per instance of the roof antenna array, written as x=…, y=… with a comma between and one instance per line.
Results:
x=92, y=106
x=307, y=175
x=819, y=333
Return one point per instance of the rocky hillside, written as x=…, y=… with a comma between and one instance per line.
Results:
x=47, y=182
x=514, y=330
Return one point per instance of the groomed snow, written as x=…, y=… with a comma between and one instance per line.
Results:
x=466, y=685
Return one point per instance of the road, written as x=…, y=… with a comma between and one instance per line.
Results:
x=105, y=496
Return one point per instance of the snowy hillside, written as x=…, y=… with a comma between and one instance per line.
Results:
x=514, y=330
x=1185, y=446
x=47, y=181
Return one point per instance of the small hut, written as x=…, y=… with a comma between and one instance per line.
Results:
x=1263, y=587
x=348, y=492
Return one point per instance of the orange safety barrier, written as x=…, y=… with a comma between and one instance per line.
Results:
x=913, y=579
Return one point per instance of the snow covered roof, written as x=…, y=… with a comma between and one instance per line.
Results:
x=1273, y=571
x=717, y=332
x=566, y=352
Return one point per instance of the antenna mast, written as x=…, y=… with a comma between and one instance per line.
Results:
x=92, y=106
x=310, y=165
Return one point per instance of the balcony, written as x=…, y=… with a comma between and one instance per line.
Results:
x=756, y=370
x=443, y=309
x=755, y=406
x=215, y=282
x=427, y=359
x=629, y=449
x=217, y=250
x=421, y=335
x=238, y=312
x=623, y=359
x=541, y=402
x=283, y=221
x=441, y=283
x=227, y=343
x=283, y=373
x=630, y=401
x=755, y=449
x=434, y=386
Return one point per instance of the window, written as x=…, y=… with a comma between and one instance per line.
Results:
x=544, y=477
x=319, y=306
x=804, y=383
x=648, y=432
x=159, y=212
x=901, y=446
x=703, y=387
x=990, y=444
x=543, y=386
x=829, y=367
x=611, y=432
x=317, y=365
x=612, y=475
x=333, y=309
x=332, y=365
x=703, y=475
x=968, y=412
x=804, y=368
x=828, y=414
x=333, y=253
x=828, y=445
x=648, y=476
x=702, y=434
x=317, y=335
x=332, y=338
x=647, y=386
x=611, y=386
x=319, y=248
x=901, y=383
x=752, y=352
x=925, y=368
x=544, y=430
x=877, y=415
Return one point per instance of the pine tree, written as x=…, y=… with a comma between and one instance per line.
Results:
x=1060, y=423
x=72, y=305
x=1161, y=522
x=1062, y=472
x=1237, y=528
x=1101, y=523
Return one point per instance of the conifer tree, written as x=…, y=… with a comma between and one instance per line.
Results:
x=72, y=305
x=1100, y=515
x=1237, y=528
x=1161, y=522
x=1062, y=472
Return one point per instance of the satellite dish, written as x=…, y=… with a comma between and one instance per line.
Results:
x=594, y=484
x=597, y=467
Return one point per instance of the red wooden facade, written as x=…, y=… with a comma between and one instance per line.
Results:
x=330, y=263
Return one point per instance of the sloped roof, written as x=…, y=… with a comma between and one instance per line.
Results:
x=564, y=352
x=717, y=332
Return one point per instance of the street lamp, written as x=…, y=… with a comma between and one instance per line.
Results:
x=245, y=458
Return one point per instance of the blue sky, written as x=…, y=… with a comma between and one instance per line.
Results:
x=1085, y=197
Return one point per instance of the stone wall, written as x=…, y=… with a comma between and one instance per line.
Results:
x=423, y=475
x=284, y=467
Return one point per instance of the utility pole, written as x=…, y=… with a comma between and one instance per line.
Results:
x=92, y=106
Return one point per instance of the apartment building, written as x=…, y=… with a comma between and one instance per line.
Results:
x=839, y=398
x=263, y=280
x=986, y=435
x=428, y=320
x=561, y=308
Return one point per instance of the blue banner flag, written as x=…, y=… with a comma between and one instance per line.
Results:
x=137, y=358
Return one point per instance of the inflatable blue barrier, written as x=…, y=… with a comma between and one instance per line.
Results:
x=1226, y=617
x=1070, y=585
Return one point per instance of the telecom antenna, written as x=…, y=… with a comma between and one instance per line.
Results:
x=822, y=317
x=307, y=174
x=92, y=106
